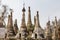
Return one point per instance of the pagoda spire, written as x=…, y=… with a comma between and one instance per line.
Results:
x=23, y=29
x=34, y=20
x=55, y=33
x=15, y=27
x=29, y=16
x=11, y=17
x=55, y=21
x=23, y=24
x=48, y=31
x=10, y=30
x=29, y=23
x=37, y=20
x=38, y=32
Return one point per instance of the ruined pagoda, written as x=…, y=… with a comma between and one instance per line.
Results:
x=29, y=22
x=23, y=28
x=10, y=31
x=38, y=32
x=55, y=33
x=48, y=32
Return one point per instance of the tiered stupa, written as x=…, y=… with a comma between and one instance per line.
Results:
x=37, y=33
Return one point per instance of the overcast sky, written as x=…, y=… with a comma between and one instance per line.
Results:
x=46, y=8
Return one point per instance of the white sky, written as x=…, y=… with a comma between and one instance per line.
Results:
x=46, y=8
